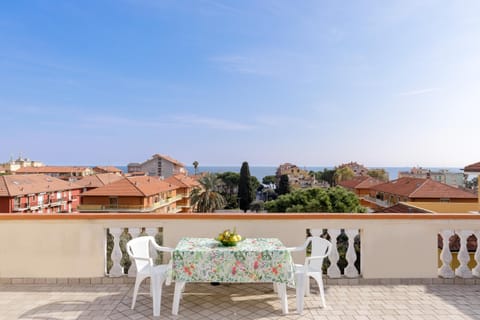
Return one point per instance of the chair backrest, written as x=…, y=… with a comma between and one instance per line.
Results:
x=140, y=247
x=320, y=247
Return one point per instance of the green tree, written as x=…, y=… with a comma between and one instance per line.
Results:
x=327, y=175
x=379, y=174
x=229, y=188
x=472, y=184
x=245, y=191
x=283, y=185
x=257, y=205
x=206, y=198
x=344, y=173
x=195, y=166
x=334, y=199
x=255, y=184
x=269, y=180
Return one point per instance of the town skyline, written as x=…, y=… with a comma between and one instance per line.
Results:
x=315, y=84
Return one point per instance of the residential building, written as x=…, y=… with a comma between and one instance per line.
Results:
x=419, y=190
x=69, y=173
x=456, y=179
x=38, y=193
x=297, y=178
x=132, y=194
x=358, y=169
x=158, y=165
x=472, y=168
x=13, y=165
x=98, y=180
x=107, y=169
x=185, y=186
x=361, y=186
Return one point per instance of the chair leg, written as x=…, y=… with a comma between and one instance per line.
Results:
x=319, y=280
x=138, y=281
x=307, y=285
x=156, y=287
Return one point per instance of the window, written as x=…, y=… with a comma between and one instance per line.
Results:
x=114, y=202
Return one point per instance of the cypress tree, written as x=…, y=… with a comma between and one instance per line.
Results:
x=245, y=192
x=283, y=185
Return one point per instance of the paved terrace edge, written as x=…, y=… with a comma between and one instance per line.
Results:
x=343, y=281
x=240, y=216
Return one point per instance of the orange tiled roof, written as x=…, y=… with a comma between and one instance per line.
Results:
x=183, y=181
x=174, y=161
x=422, y=188
x=99, y=180
x=352, y=183
x=18, y=184
x=475, y=167
x=52, y=169
x=107, y=169
x=360, y=182
x=133, y=186
x=402, y=208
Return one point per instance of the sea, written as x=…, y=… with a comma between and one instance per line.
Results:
x=261, y=171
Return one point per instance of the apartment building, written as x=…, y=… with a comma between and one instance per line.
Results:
x=455, y=179
x=358, y=169
x=98, y=180
x=159, y=165
x=37, y=193
x=419, y=190
x=185, y=186
x=132, y=194
x=68, y=173
x=297, y=178
x=13, y=165
x=361, y=186
x=107, y=169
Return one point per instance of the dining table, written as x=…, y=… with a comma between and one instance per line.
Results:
x=250, y=260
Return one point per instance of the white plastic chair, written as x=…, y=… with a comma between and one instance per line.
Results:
x=312, y=267
x=139, y=250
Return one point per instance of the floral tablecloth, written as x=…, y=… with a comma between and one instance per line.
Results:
x=252, y=260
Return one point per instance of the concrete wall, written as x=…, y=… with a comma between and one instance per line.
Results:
x=395, y=247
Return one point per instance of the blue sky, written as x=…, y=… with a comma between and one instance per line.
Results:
x=384, y=83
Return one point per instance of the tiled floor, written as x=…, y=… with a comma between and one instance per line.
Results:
x=240, y=301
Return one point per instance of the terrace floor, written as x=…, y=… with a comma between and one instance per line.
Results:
x=240, y=301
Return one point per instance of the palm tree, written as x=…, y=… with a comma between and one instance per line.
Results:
x=206, y=198
x=195, y=166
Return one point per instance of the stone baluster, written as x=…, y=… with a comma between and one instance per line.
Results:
x=132, y=271
x=333, y=271
x=116, y=270
x=153, y=253
x=476, y=270
x=445, y=271
x=350, y=271
x=463, y=257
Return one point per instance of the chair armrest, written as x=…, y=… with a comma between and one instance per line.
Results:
x=150, y=260
x=295, y=249
x=308, y=259
x=303, y=247
x=161, y=248
x=140, y=258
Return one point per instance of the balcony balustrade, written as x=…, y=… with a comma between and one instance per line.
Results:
x=367, y=246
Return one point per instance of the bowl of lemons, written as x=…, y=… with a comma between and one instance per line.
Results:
x=229, y=238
